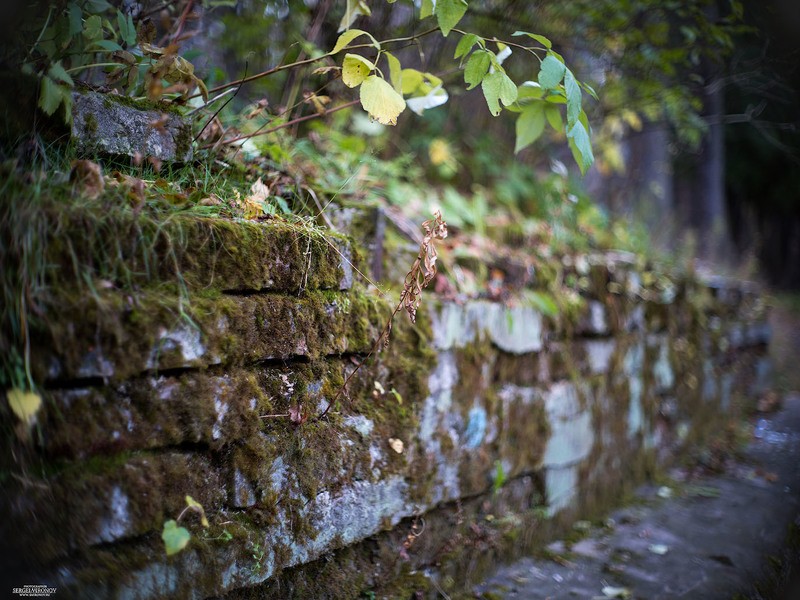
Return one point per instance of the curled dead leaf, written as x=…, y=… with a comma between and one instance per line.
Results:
x=258, y=109
x=296, y=414
x=88, y=176
x=424, y=268
x=319, y=102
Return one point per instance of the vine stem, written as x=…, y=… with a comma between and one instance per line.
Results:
x=531, y=49
x=309, y=61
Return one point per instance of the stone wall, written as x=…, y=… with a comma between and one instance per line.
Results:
x=478, y=433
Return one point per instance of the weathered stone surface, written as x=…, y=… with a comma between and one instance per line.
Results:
x=114, y=338
x=523, y=422
x=199, y=254
x=515, y=329
x=108, y=501
x=109, y=124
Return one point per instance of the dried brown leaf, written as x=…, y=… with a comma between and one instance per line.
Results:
x=89, y=177
x=296, y=414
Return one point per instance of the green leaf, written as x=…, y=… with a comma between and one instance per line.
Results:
x=465, y=44
x=499, y=476
x=581, y=146
x=426, y=10
x=175, y=538
x=395, y=72
x=75, y=18
x=98, y=6
x=553, y=115
x=411, y=79
x=381, y=101
x=49, y=96
x=530, y=125
x=584, y=120
x=449, y=13
x=555, y=97
x=551, y=72
x=539, y=38
x=541, y=301
x=590, y=90
x=354, y=9
x=348, y=36
x=498, y=86
x=127, y=30
x=529, y=90
x=107, y=45
x=57, y=73
x=573, y=91
x=93, y=28
x=25, y=404
x=477, y=67
x=355, y=69
x=397, y=395
x=66, y=103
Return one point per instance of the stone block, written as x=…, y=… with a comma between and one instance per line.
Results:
x=106, y=337
x=514, y=329
x=115, y=125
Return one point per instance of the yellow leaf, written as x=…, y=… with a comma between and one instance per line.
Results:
x=352, y=12
x=348, y=36
x=411, y=79
x=396, y=445
x=24, y=404
x=355, y=69
x=381, y=101
x=395, y=72
x=195, y=505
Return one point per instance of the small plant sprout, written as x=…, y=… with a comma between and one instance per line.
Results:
x=176, y=537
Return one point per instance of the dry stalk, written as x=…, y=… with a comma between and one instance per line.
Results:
x=421, y=274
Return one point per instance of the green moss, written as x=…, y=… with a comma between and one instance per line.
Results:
x=140, y=103
x=91, y=124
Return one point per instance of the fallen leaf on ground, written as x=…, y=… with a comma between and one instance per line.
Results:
x=616, y=592
x=396, y=445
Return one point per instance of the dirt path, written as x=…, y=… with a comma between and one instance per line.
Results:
x=723, y=536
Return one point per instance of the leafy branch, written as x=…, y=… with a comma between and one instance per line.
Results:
x=537, y=102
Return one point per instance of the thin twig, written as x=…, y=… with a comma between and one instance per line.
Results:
x=309, y=61
x=386, y=329
x=224, y=104
x=436, y=228
x=210, y=102
x=282, y=125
